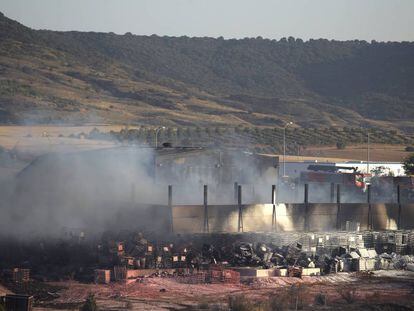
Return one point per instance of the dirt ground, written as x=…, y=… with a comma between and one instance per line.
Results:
x=52, y=130
x=341, y=290
x=37, y=140
x=40, y=139
x=378, y=152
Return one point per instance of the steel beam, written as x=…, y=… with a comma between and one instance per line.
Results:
x=206, y=227
x=239, y=203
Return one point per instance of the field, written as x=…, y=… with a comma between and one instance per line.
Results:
x=35, y=140
x=27, y=135
x=343, y=291
x=377, y=152
x=31, y=141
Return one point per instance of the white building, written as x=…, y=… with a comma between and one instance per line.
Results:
x=293, y=169
x=376, y=168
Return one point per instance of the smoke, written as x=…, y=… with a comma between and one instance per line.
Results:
x=219, y=170
x=86, y=190
x=126, y=188
x=122, y=188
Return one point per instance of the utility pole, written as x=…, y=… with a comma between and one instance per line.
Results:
x=367, y=152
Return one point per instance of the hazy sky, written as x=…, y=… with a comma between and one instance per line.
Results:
x=382, y=20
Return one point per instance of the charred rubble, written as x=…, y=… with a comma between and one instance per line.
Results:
x=205, y=257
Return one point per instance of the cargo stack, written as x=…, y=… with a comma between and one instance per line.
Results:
x=411, y=242
x=401, y=243
x=20, y=275
x=368, y=238
x=102, y=276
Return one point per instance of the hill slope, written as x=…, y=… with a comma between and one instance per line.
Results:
x=77, y=77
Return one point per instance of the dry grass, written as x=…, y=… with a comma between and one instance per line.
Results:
x=378, y=152
x=55, y=137
x=290, y=158
x=32, y=141
x=53, y=130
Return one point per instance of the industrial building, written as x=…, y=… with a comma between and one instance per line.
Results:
x=294, y=168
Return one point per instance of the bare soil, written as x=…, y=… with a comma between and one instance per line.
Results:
x=342, y=291
x=378, y=152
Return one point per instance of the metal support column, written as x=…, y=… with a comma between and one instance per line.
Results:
x=170, y=208
x=274, y=219
x=338, y=205
x=369, y=207
x=399, y=206
x=239, y=202
x=235, y=191
x=306, y=224
x=133, y=193
x=154, y=172
x=206, y=228
x=332, y=193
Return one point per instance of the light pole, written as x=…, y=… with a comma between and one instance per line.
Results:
x=367, y=151
x=156, y=135
x=284, y=147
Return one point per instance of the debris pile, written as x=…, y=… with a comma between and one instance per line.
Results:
x=212, y=258
x=193, y=263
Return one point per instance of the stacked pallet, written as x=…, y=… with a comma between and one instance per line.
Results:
x=102, y=276
x=20, y=275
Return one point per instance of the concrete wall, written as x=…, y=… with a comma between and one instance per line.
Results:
x=290, y=217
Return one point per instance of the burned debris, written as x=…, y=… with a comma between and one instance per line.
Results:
x=341, y=251
x=135, y=261
x=207, y=258
x=226, y=240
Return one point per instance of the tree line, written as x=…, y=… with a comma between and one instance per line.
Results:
x=253, y=138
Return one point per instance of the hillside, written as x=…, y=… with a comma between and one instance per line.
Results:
x=78, y=77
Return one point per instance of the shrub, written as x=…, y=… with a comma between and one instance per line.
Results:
x=280, y=301
x=90, y=304
x=408, y=165
x=340, y=145
x=240, y=303
x=348, y=294
x=320, y=299
x=203, y=306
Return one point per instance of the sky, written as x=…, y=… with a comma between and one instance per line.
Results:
x=381, y=20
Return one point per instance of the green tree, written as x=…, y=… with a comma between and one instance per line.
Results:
x=379, y=171
x=90, y=304
x=340, y=145
x=198, y=131
x=188, y=132
x=150, y=136
x=142, y=134
x=408, y=165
